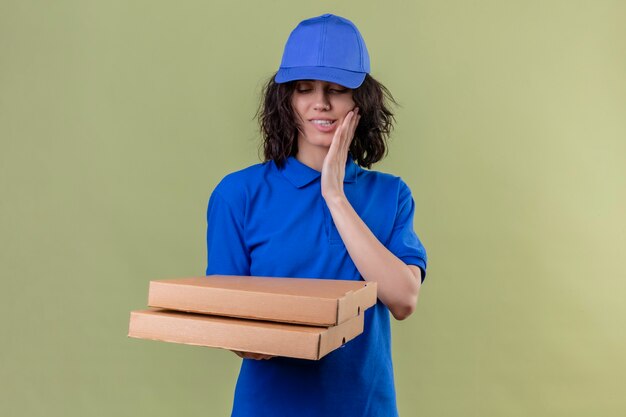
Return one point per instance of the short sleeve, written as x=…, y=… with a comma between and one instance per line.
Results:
x=404, y=242
x=227, y=253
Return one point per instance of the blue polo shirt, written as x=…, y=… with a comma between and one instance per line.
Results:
x=270, y=221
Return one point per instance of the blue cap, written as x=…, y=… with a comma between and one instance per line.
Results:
x=328, y=48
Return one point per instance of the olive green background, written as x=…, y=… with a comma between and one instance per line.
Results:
x=117, y=119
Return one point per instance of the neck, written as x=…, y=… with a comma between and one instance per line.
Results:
x=311, y=156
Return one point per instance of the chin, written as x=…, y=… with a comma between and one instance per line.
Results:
x=316, y=140
x=326, y=142
x=322, y=140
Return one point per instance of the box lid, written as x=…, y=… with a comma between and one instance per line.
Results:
x=318, y=302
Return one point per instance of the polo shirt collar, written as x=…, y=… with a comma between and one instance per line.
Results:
x=300, y=175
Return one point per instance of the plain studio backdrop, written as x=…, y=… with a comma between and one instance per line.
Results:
x=117, y=119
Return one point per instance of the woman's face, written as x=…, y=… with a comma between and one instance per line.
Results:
x=320, y=107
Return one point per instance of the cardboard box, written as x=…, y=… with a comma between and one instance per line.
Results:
x=271, y=338
x=317, y=302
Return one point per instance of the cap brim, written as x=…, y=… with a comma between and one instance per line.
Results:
x=339, y=76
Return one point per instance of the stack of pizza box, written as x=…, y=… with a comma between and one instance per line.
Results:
x=292, y=317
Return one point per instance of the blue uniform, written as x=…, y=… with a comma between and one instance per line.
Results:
x=270, y=221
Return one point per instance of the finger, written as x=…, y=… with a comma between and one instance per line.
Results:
x=260, y=356
x=354, y=125
x=340, y=131
x=355, y=121
x=337, y=144
x=350, y=130
x=347, y=127
x=357, y=118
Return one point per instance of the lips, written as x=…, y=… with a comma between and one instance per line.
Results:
x=324, y=125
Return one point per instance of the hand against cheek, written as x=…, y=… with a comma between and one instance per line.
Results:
x=334, y=167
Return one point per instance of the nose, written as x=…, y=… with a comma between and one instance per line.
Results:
x=321, y=100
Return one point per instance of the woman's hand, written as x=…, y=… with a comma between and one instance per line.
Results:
x=250, y=355
x=398, y=283
x=334, y=167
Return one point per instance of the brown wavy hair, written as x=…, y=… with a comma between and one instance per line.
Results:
x=279, y=128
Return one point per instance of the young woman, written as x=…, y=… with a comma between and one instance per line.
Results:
x=311, y=210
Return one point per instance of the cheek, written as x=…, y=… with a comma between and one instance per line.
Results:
x=345, y=104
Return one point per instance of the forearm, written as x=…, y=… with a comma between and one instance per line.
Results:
x=398, y=286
